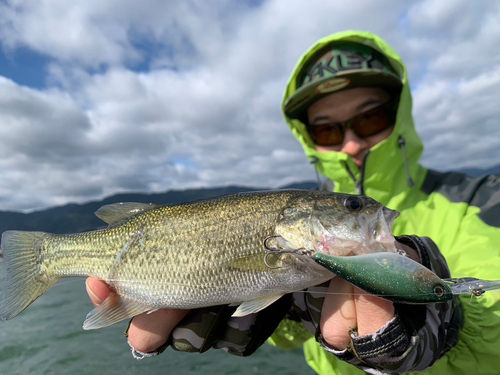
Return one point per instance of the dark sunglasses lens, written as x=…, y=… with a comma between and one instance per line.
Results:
x=372, y=122
x=326, y=135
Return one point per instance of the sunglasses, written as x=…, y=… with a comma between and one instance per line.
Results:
x=363, y=125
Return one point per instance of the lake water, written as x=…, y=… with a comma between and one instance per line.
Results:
x=48, y=338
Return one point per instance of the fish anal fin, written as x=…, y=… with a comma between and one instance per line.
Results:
x=112, y=213
x=255, y=305
x=113, y=310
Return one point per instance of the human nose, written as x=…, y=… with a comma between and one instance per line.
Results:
x=353, y=145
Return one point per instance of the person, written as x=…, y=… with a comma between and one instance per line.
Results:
x=348, y=102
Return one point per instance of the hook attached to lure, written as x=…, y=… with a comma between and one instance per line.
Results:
x=273, y=250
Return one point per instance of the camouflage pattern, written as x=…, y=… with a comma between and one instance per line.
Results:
x=338, y=67
x=214, y=328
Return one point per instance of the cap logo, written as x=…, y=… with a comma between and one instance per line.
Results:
x=333, y=84
x=337, y=61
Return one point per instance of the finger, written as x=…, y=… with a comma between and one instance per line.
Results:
x=97, y=290
x=338, y=315
x=372, y=312
x=148, y=332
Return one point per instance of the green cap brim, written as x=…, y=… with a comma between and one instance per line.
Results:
x=305, y=96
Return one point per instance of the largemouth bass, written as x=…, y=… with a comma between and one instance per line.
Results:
x=239, y=249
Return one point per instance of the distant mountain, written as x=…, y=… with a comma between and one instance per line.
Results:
x=73, y=218
x=476, y=172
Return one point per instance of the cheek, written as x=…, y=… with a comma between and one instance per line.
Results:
x=328, y=148
x=377, y=138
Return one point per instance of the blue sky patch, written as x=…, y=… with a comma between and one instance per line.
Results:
x=24, y=67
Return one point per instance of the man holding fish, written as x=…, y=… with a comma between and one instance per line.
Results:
x=348, y=102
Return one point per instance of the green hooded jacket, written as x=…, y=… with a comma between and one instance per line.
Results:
x=460, y=214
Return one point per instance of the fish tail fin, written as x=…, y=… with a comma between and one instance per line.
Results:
x=27, y=278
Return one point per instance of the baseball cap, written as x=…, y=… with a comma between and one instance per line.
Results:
x=338, y=67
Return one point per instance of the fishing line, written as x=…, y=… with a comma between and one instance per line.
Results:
x=67, y=281
x=218, y=290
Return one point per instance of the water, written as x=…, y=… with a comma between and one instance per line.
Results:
x=48, y=338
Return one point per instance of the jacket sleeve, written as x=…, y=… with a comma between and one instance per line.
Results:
x=471, y=244
x=412, y=341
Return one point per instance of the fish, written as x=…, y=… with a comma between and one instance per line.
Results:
x=240, y=250
x=400, y=279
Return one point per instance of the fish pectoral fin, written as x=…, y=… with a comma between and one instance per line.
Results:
x=255, y=305
x=113, y=310
x=251, y=262
x=113, y=213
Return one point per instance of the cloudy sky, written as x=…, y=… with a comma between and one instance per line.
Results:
x=99, y=97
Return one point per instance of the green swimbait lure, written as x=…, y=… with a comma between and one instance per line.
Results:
x=390, y=276
x=401, y=279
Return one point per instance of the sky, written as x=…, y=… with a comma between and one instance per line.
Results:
x=101, y=97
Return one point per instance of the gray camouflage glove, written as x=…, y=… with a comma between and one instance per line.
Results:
x=213, y=327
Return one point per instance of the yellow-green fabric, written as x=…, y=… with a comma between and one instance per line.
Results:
x=448, y=213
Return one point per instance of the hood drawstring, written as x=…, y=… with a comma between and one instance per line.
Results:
x=360, y=188
x=313, y=161
x=359, y=183
x=362, y=179
x=326, y=184
x=402, y=144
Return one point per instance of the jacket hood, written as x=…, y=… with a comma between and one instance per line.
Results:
x=385, y=176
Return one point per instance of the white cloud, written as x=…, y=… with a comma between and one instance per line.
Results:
x=203, y=107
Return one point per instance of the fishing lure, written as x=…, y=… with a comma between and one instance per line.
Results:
x=400, y=279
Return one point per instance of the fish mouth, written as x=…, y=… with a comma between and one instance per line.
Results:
x=383, y=228
x=390, y=216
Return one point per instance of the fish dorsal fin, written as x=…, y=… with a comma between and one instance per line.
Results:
x=255, y=305
x=112, y=213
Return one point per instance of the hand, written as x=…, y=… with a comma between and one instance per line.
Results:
x=147, y=332
x=347, y=307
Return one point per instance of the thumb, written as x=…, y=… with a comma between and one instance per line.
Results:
x=97, y=290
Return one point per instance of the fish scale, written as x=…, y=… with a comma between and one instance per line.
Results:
x=197, y=254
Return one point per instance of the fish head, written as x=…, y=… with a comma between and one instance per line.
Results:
x=337, y=224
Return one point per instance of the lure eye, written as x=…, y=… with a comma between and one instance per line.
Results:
x=439, y=291
x=353, y=203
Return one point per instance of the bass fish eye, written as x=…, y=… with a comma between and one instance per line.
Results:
x=353, y=203
x=438, y=291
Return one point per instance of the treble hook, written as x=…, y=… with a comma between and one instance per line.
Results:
x=265, y=259
x=477, y=292
x=266, y=245
x=270, y=250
